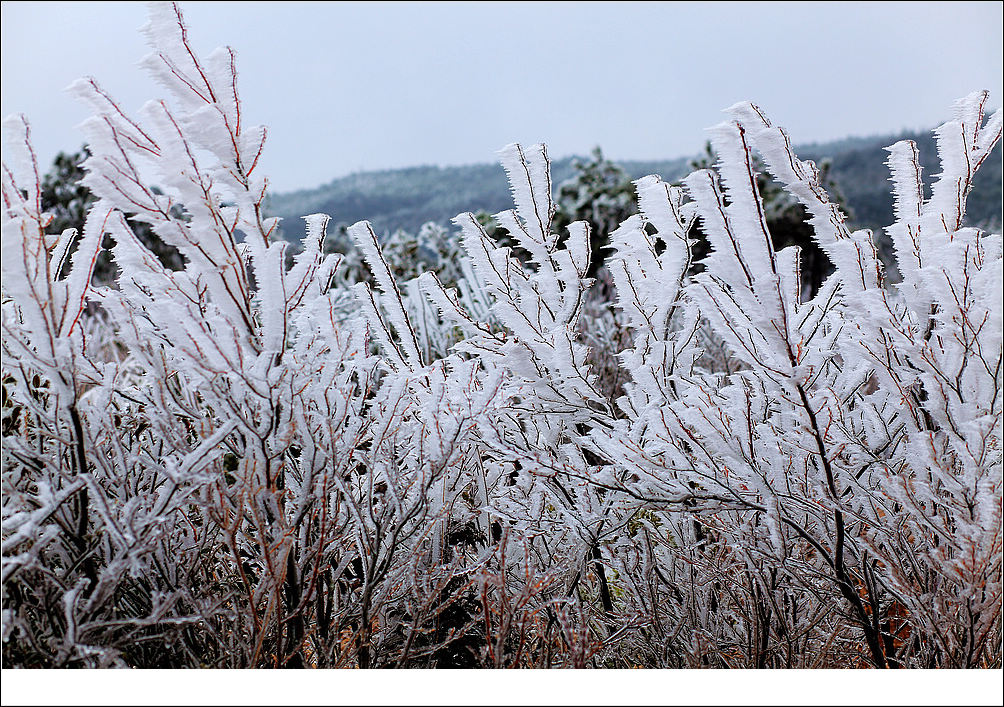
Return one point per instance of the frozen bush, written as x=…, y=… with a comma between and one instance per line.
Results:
x=253, y=460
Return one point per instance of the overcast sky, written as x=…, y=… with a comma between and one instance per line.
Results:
x=345, y=87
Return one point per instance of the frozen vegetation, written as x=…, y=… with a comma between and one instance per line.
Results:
x=256, y=460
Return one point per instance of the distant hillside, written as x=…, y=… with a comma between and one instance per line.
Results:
x=407, y=198
x=858, y=168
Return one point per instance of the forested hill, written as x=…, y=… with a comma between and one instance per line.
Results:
x=407, y=198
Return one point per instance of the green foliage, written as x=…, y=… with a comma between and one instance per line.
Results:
x=63, y=196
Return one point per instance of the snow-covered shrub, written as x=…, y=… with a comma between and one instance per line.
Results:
x=853, y=456
x=253, y=460
x=245, y=469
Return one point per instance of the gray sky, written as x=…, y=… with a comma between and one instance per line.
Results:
x=345, y=87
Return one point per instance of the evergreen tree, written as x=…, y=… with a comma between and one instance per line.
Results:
x=63, y=196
